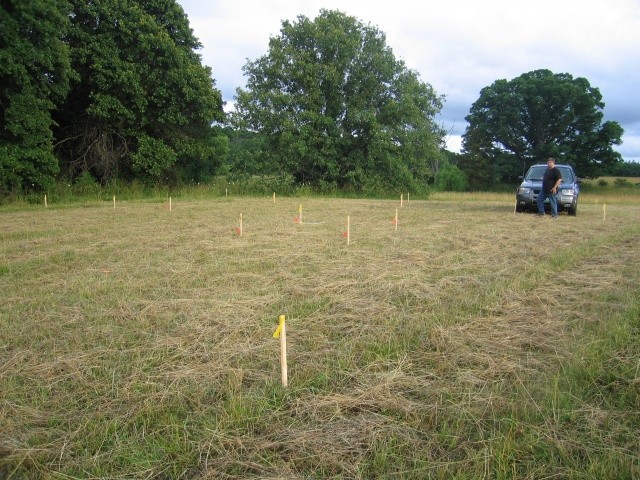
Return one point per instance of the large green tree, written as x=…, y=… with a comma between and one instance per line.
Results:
x=34, y=78
x=337, y=108
x=143, y=104
x=539, y=114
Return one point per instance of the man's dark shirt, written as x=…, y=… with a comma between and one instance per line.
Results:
x=549, y=179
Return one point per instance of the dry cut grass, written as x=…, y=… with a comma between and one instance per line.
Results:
x=136, y=342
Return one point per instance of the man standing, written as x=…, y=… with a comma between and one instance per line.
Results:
x=550, y=182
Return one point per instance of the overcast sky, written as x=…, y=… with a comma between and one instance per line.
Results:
x=457, y=46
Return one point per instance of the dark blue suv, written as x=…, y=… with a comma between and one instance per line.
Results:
x=568, y=191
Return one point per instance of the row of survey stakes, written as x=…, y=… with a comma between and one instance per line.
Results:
x=347, y=234
x=297, y=219
x=46, y=203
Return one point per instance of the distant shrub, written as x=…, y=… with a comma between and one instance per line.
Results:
x=602, y=182
x=85, y=184
x=450, y=179
x=622, y=182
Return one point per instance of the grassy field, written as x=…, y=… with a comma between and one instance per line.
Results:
x=612, y=180
x=471, y=342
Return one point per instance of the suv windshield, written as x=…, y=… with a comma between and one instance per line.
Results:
x=536, y=173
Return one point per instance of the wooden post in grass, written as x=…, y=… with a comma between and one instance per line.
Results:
x=240, y=230
x=274, y=197
x=300, y=214
x=281, y=332
x=45, y=201
x=114, y=202
x=169, y=203
x=407, y=198
x=604, y=211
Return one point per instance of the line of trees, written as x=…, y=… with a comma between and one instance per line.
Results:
x=116, y=89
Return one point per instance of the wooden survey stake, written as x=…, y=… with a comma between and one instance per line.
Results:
x=347, y=234
x=281, y=332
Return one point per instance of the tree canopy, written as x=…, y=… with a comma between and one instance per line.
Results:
x=114, y=88
x=143, y=104
x=539, y=114
x=34, y=78
x=336, y=107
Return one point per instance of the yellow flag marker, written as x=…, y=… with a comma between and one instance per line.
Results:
x=281, y=333
x=276, y=334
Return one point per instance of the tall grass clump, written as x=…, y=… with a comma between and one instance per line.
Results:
x=612, y=190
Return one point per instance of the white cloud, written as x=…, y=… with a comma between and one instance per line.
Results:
x=454, y=143
x=630, y=148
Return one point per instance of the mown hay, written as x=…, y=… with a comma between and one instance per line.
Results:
x=136, y=343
